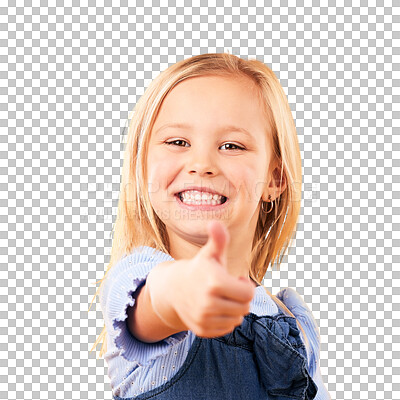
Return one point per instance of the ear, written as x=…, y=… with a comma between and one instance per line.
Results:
x=275, y=187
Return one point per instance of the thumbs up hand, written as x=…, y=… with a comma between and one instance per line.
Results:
x=209, y=300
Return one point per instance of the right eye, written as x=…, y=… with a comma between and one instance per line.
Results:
x=173, y=142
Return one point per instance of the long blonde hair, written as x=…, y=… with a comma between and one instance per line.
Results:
x=138, y=225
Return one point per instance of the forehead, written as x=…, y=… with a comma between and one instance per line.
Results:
x=215, y=102
x=214, y=87
x=189, y=127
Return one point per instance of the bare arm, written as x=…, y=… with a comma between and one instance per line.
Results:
x=143, y=321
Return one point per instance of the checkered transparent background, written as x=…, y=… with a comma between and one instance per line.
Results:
x=71, y=73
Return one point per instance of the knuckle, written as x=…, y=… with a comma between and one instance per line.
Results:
x=203, y=318
x=199, y=320
x=211, y=295
x=212, y=287
x=208, y=307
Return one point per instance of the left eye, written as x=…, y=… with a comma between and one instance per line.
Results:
x=235, y=145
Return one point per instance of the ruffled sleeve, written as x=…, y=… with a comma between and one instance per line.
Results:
x=295, y=303
x=121, y=285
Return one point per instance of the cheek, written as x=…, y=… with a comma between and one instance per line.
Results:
x=249, y=182
x=160, y=172
x=259, y=187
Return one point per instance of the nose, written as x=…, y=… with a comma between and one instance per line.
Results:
x=201, y=162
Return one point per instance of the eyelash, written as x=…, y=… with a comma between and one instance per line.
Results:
x=180, y=140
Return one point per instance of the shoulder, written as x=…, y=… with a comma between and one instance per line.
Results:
x=292, y=299
x=142, y=256
x=145, y=254
x=133, y=267
x=296, y=304
x=299, y=308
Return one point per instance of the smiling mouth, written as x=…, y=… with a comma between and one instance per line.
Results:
x=200, y=199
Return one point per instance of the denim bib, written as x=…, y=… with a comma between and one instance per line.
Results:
x=263, y=358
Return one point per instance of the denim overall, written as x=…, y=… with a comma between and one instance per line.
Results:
x=263, y=358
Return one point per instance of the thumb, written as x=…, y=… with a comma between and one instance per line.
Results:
x=217, y=244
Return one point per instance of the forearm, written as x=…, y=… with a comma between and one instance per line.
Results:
x=162, y=283
x=153, y=318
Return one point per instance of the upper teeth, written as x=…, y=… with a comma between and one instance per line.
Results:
x=195, y=195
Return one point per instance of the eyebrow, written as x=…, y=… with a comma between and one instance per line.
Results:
x=230, y=128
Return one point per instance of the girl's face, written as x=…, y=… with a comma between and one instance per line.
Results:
x=222, y=145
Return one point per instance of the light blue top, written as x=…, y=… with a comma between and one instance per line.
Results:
x=135, y=367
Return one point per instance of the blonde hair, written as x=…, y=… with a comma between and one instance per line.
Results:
x=138, y=225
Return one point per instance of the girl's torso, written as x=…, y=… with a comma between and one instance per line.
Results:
x=263, y=358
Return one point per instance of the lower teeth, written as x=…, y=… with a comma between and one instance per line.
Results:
x=199, y=203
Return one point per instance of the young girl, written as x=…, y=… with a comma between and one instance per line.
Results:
x=210, y=196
